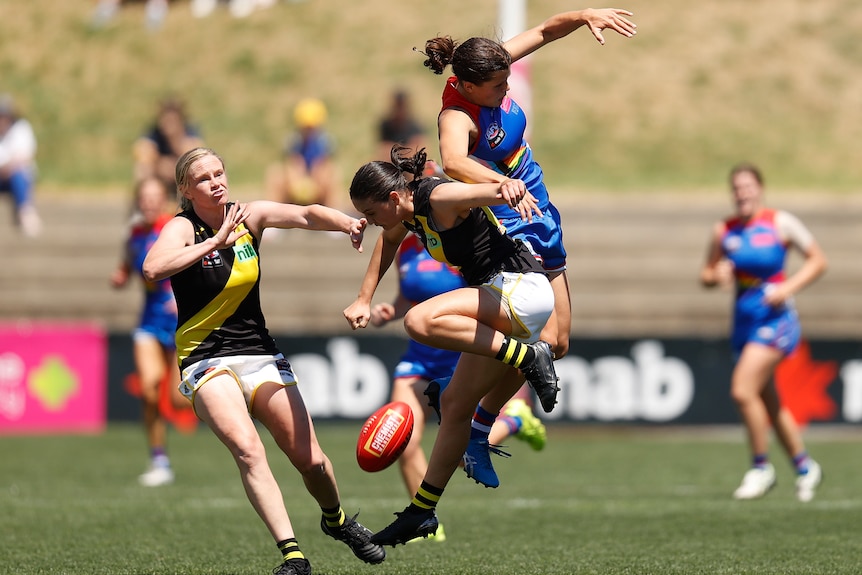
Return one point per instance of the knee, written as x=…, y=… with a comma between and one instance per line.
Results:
x=416, y=325
x=742, y=395
x=248, y=451
x=150, y=394
x=313, y=469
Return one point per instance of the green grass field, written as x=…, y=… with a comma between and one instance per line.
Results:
x=594, y=502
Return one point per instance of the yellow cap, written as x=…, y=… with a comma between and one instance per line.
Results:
x=309, y=113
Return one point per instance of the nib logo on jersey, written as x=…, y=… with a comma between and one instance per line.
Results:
x=244, y=252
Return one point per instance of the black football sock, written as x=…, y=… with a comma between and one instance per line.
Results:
x=426, y=498
x=334, y=517
x=290, y=549
x=515, y=353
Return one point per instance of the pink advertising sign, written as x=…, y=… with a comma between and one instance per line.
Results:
x=52, y=378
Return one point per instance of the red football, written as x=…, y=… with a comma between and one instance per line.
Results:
x=384, y=436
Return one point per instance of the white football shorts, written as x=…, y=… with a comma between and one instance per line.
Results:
x=528, y=300
x=249, y=372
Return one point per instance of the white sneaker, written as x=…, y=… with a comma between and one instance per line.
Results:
x=156, y=476
x=807, y=484
x=28, y=219
x=756, y=482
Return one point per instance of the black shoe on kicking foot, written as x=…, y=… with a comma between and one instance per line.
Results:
x=409, y=525
x=434, y=390
x=357, y=537
x=293, y=567
x=541, y=375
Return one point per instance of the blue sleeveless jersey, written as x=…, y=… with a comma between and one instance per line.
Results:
x=758, y=255
x=159, y=314
x=501, y=147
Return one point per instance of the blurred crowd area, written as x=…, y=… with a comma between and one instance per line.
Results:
x=155, y=11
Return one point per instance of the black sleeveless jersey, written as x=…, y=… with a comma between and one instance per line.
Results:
x=478, y=245
x=218, y=301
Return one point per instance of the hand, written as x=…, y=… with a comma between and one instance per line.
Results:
x=358, y=314
x=724, y=273
x=609, y=18
x=381, y=314
x=227, y=234
x=529, y=205
x=357, y=232
x=776, y=295
x=119, y=277
x=512, y=191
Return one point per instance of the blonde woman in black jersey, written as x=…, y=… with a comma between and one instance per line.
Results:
x=231, y=368
x=494, y=322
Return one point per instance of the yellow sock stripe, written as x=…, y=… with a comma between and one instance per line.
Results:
x=291, y=551
x=511, y=348
x=425, y=499
x=334, y=519
x=522, y=351
x=418, y=502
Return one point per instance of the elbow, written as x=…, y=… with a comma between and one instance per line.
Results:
x=818, y=263
x=824, y=265
x=447, y=167
x=450, y=166
x=150, y=272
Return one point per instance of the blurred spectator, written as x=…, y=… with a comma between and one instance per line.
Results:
x=399, y=126
x=237, y=8
x=18, y=165
x=156, y=152
x=155, y=12
x=307, y=173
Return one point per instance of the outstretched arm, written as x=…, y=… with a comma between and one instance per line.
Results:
x=266, y=214
x=452, y=201
x=563, y=24
x=358, y=314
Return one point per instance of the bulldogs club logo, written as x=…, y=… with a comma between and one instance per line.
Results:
x=495, y=135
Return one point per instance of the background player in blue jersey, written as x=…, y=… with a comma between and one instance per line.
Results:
x=154, y=348
x=748, y=250
x=481, y=136
x=421, y=277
